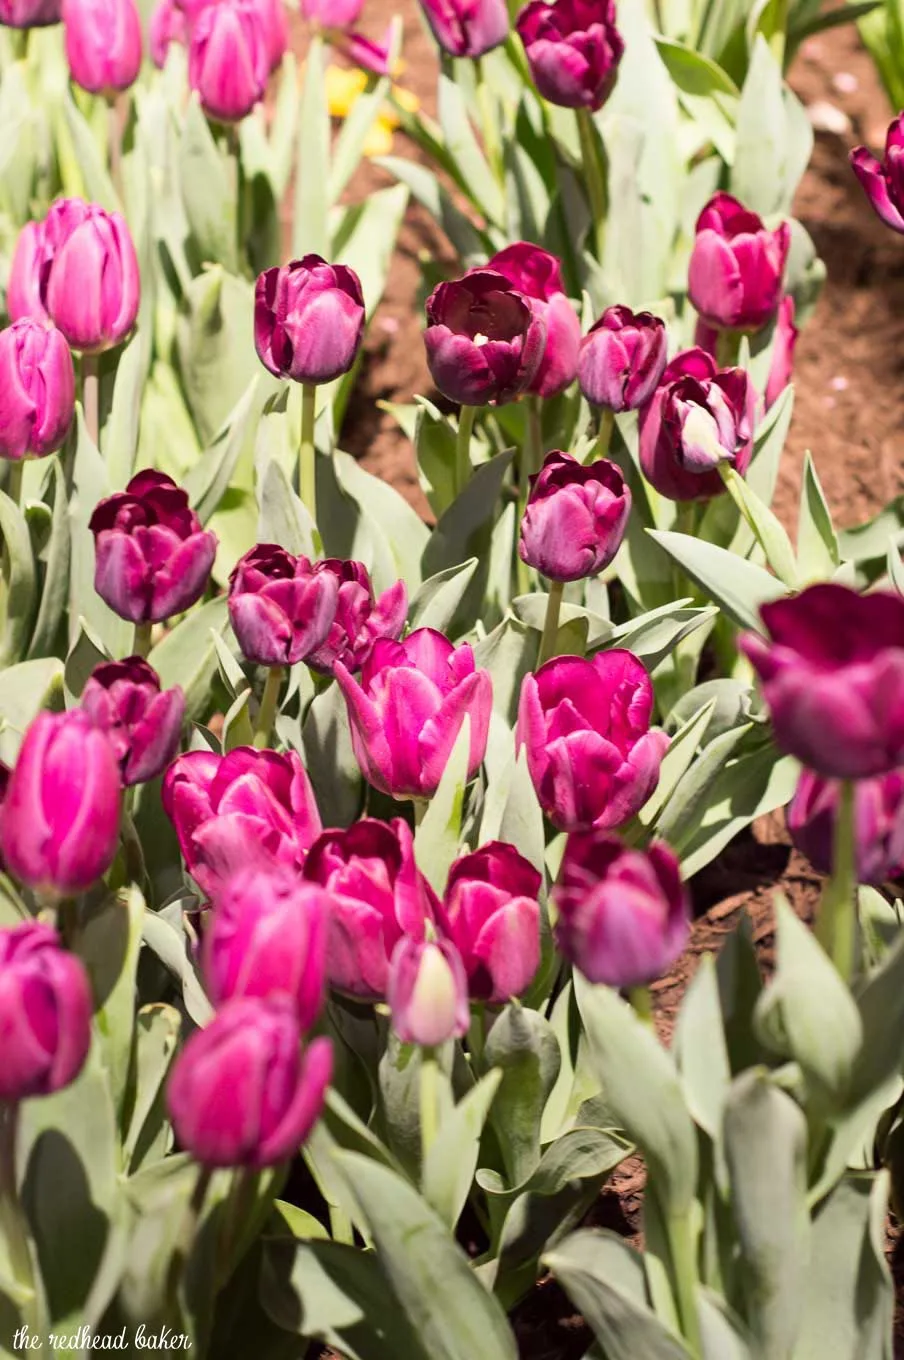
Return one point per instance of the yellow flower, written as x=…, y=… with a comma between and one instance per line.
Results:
x=344, y=85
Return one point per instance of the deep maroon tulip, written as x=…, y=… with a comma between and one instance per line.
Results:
x=60, y=825
x=243, y=1092
x=428, y=992
x=228, y=59
x=737, y=266
x=701, y=416
x=575, y=518
x=29, y=13
x=408, y=708
x=783, y=345
x=592, y=755
x=308, y=320
x=377, y=895
x=167, y=25
x=490, y=913
x=142, y=723
x=153, y=557
x=37, y=389
x=267, y=933
x=832, y=673
x=243, y=808
x=103, y=44
x=812, y=816
x=360, y=619
x=622, y=359
x=484, y=341
x=280, y=608
x=78, y=267
x=884, y=180
x=623, y=914
x=467, y=28
x=45, y=1012
x=573, y=49
x=538, y=275
x=332, y=13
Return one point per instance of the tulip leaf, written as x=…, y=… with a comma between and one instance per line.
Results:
x=19, y=581
x=524, y=1046
x=428, y=191
x=91, y=484
x=508, y=653
x=769, y=442
x=438, y=599
x=207, y=482
x=462, y=145
x=759, y=175
x=310, y=232
x=438, y=838
x=284, y=518
x=691, y=799
x=766, y=527
x=215, y=343
x=172, y=948
x=512, y=813
x=109, y=943
x=737, y=586
x=817, y=542
x=701, y=1051
x=365, y=241
x=395, y=532
x=92, y=169
x=55, y=585
x=329, y=758
x=722, y=1335
x=207, y=194
x=655, y=635
x=24, y=690
x=156, y=1040
x=356, y=127
x=677, y=760
x=187, y=656
x=450, y=1164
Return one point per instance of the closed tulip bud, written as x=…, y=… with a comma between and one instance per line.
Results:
x=153, y=558
x=737, y=266
x=45, y=1012
x=467, y=28
x=490, y=912
x=371, y=54
x=538, y=275
x=308, y=320
x=623, y=914
x=832, y=674
x=884, y=180
x=812, y=817
x=484, y=341
x=37, y=390
x=408, y=708
x=377, y=895
x=167, y=25
x=276, y=30
x=360, y=619
x=784, y=343
x=243, y=808
x=280, y=608
x=623, y=357
x=228, y=59
x=332, y=13
x=267, y=934
x=243, y=1092
x=60, y=824
x=428, y=992
x=103, y=44
x=573, y=50
x=575, y=518
x=700, y=416
x=585, y=724
x=142, y=723
x=29, y=13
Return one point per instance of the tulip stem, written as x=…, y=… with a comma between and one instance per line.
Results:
x=728, y=347
x=307, y=471
x=429, y=1095
x=684, y=1279
x=91, y=396
x=420, y=806
x=642, y=1002
x=466, y=420
x=488, y=122
x=836, y=924
x=604, y=437
x=141, y=642
x=593, y=156
x=551, y=623
x=268, y=708
x=531, y=459
x=13, y=1224
x=188, y=1232
x=14, y=481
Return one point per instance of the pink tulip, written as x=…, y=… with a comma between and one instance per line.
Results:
x=623, y=357
x=736, y=266
x=884, y=180
x=467, y=28
x=142, y=723
x=575, y=518
x=308, y=320
x=573, y=50
x=490, y=913
x=103, y=44
x=332, y=13
x=229, y=58
x=37, y=390
x=29, y=13
x=484, y=340
x=360, y=619
x=783, y=346
x=428, y=992
x=538, y=275
x=280, y=607
x=45, y=1012
x=812, y=817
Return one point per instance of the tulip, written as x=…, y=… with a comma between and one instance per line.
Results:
x=484, y=341
x=575, y=518
x=308, y=320
x=573, y=50
x=153, y=559
x=267, y=934
x=228, y=59
x=622, y=359
x=78, y=267
x=29, y=13
x=832, y=674
x=276, y=30
x=37, y=390
x=467, y=28
x=103, y=44
x=812, y=818
x=45, y=1012
x=490, y=913
x=243, y=1092
x=360, y=619
x=538, y=275
x=370, y=54
x=376, y=894
x=623, y=914
x=142, y=723
x=60, y=825
x=784, y=343
x=332, y=13
x=884, y=180
x=428, y=992
x=591, y=753
x=408, y=708
x=280, y=608
x=167, y=25
x=736, y=266
x=700, y=416
x=243, y=808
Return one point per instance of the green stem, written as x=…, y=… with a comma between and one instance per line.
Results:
x=141, y=642
x=732, y=481
x=420, y=806
x=836, y=923
x=595, y=173
x=488, y=122
x=642, y=1002
x=531, y=459
x=117, y=116
x=463, y=447
x=268, y=708
x=684, y=1279
x=308, y=454
x=429, y=1099
x=477, y=1034
x=136, y=870
x=604, y=437
x=14, y=471
x=551, y=623
x=13, y=1224
x=91, y=395
x=728, y=347
x=188, y=1231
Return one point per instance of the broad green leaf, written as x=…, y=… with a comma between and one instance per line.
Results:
x=655, y=635
x=692, y=798
x=448, y=1170
x=508, y=653
x=207, y=193
x=464, y=148
x=677, y=760
x=90, y=485
x=310, y=233
x=428, y=191
x=438, y=838
x=98, y=184
x=769, y=444
x=386, y=512
x=439, y=598
x=523, y=1045
x=119, y=438
x=767, y=528
x=758, y=176
x=208, y=480
x=701, y=1051
x=737, y=586
x=19, y=582
x=722, y=1335
x=172, y=948
x=284, y=519
x=754, y=784
x=216, y=349
x=355, y=130
x=329, y=758
x=817, y=542
x=109, y=943
x=156, y=1039
x=187, y=656
x=55, y=585
x=24, y=690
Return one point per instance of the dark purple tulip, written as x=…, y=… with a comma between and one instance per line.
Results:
x=103, y=44
x=623, y=357
x=812, y=815
x=228, y=58
x=243, y=808
x=573, y=49
x=490, y=913
x=37, y=389
x=308, y=320
x=832, y=673
x=783, y=346
x=280, y=607
x=484, y=341
x=142, y=722
x=700, y=416
x=29, y=13
x=428, y=992
x=467, y=28
x=737, y=266
x=45, y=1012
x=592, y=755
x=623, y=914
x=153, y=557
x=538, y=275
x=360, y=619
x=884, y=180
x=60, y=825
x=243, y=1091
x=575, y=518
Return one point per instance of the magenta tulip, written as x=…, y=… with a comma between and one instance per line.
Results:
x=623, y=914
x=37, y=389
x=467, y=28
x=737, y=266
x=371, y=54
x=408, y=708
x=45, y=1012
x=832, y=673
x=491, y=915
x=538, y=275
x=575, y=518
x=812, y=816
x=428, y=992
x=60, y=824
x=243, y=1092
x=280, y=608
x=142, y=722
x=360, y=619
x=29, y=13
x=103, y=44
x=592, y=755
x=573, y=50
x=332, y=13
x=484, y=341
x=167, y=25
x=884, y=180
x=276, y=30
x=228, y=59
x=623, y=357
x=783, y=345
x=308, y=320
